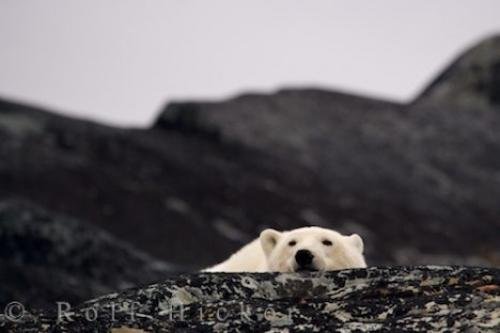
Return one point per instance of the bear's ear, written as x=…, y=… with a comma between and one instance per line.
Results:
x=268, y=240
x=357, y=241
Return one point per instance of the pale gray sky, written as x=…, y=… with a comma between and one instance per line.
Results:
x=120, y=61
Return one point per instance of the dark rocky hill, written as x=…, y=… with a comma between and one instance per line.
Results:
x=171, y=193
x=418, y=181
x=392, y=171
x=472, y=80
x=46, y=257
x=404, y=299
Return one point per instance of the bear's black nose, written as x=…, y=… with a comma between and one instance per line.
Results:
x=304, y=258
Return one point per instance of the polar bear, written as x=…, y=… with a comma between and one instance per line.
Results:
x=303, y=249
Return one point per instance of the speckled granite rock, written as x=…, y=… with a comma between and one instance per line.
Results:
x=405, y=299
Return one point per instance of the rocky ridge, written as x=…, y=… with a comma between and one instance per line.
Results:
x=47, y=257
x=403, y=299
x=471, y=80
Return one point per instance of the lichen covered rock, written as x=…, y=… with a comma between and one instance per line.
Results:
x=427, y=298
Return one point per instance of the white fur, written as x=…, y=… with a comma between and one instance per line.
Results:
x=271, y=252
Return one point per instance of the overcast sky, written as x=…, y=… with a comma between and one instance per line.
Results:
x=120, y=61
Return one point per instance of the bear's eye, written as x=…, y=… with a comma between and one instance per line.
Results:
x=326, y=242
x=292, y=243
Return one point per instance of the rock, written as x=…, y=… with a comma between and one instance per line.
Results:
x=421, y=169
x=153, y=187
x=290, y=122
x=126, y=330
x=47, y=257
x=403, y=299
x=472, y=80
x=145, y=187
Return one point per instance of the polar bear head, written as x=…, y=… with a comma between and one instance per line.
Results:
x=311, y=249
